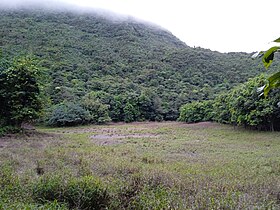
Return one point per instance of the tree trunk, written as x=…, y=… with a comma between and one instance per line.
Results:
x=272, y=126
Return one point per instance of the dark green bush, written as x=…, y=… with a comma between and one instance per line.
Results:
x=9, y=129
x=196, y=112
x=244, y=106
x=99, y=112
x=20, y=93
x=68, y=114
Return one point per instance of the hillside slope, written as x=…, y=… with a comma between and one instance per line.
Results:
x=120, y=57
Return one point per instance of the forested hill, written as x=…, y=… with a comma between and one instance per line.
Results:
x=137, y=69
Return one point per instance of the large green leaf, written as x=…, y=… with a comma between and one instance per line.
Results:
x=277, y=40
x=273, y=82
x=269, y=55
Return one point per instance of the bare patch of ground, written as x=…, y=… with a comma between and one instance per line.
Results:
x=2, y=143
x=107, y=142
x=199, y=125
x=119, y=136
x=114, y=139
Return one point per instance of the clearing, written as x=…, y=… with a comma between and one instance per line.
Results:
x=154, y=165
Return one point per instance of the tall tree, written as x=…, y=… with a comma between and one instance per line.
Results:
x=20, y=93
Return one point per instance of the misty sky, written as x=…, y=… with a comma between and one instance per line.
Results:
x=222, y=25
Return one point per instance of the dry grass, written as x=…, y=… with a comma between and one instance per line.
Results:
x=165, y=165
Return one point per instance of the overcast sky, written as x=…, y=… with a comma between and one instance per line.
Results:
x=221, y=25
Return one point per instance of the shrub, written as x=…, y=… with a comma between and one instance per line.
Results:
x=196, y=112
x=244, y=106
x=99, y=112
x=68, y=114
x=9, y=129
x=20, y=93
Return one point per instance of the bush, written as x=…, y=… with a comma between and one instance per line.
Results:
x=20, y=93
x=99, y=112
x=68, y=114
x=244, y=106
x=9, y=129
x=196, y=112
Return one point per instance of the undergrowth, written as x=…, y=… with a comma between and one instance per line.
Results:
x=8, y=130
x=65, y=191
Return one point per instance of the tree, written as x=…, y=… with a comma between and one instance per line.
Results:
x=129, y=112
x=243, y=106
x=240, y=106
x=99, y=112
x=68, y=114
x=116, y=110
x=221, y=111
x=196, y=112
x=19, y=93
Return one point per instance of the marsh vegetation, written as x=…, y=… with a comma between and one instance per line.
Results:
x=167, y=165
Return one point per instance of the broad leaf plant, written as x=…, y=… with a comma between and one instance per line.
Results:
x=267, y=58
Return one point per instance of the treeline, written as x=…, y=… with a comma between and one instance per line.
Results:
x=98, y=70
x=122, y=58
x=24, y=97
x=242, y=106
x=100, y=107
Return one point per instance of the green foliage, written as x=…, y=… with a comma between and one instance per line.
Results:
x=131, y=108
x=99, y=112
x=11, y=188
x=157, y=198
x=130, y=113
x=87, y=52
x=116, y=110
x=240, y=106
x=4, y=63
x=244, y=106
x=19, y=93
x=274, y=80
x=221, y=109
x=269, y=56
x=4, y=129
x=68, y=114
x=30, y=206
x=77, y=193
x=196, y=112
x=150, y=106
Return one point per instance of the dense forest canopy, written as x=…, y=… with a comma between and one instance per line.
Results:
x=121, y=69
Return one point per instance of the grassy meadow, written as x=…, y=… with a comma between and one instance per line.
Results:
x=167, y=165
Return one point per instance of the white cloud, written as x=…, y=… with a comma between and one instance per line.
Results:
x=222, y=25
